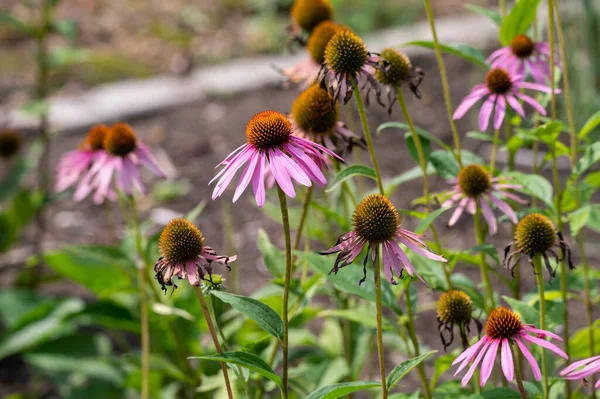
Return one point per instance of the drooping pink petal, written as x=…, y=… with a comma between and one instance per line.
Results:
x=280, y=173
x=535, y=368
x=420, y=250
x=458, y=211
x=506, y=360
x=587, y=371
x=505, y=208
x=516, y=105
x=488, y=215
x=193, y=273
x=580, y=363
x=309, y=166
x=476, y=362
x=229, y=171
x=388, y=262
x=488, y=362
x=535, y=86
x=486, y=112
x=147, y=159
x=246, y=175
x=537, y=106
x=293, y=169
x=500, y=52
x=468, y=354
x=258, y=181
x=543, y=343
x=499, y=112
x=408, y=266
x=468, y=102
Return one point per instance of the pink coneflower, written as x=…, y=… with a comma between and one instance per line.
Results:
x=183, y=253
x=473, y=186
x=74, y=164
x=376, y=223
x=583, y=369
x=123, y=154
x=270, y=143
x=503, y=329
x=523, y=55
x=500, y=88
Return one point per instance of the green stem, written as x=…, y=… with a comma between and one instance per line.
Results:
x=213, y=334
x=495, y=142
x=286, y=285
x=305, y=207
x=415, y=342
x=485, y=278
x=423, y=164
x=502, y=8
x=445, y=85
x=518, y=375
x=380, y=355
x=537, y=262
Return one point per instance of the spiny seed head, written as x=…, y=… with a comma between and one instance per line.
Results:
x=95, y=138
x=10, y=143
x=313, y=110
x=474, y=180
x=180, y=241
x=120, y=140
x=375, y=219
x=535, y=234
x=498, y=81
x=320, y=36
x=502, y=323
x=454, y=307
x=309, y=13
x=522, y=46
x=346, y=53
x=268, y=129
x=398, y=69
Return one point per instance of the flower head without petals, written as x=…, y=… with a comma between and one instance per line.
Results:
x=376, y=223
x=307, y=14
x=503, y=329
x=455, y=308
x=583, y=369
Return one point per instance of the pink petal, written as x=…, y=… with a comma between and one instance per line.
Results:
x=468, y=354
x=468, y=102
x=488, y=362
x=535, y=86
x=258, y=181
x=516, y=105
x=486, y=112
x=537, y=106
x=246, y=175
x=420, y=250
x=488, y=215
x=193, y=274
x=280, y=173
x=534, y=366
x=506, y=360
x=577, y=364
x=505, y=208
x=500, y=111
x=458, y=211
x=545, y=344
x=469, y=374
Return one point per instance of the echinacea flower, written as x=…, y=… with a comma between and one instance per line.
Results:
x=272, y=148
x=73, y=165
x=522, y=55
x=504, y=329
x=455, y=308
x=474, y=185
x=307, y=14
x=122, y=157
x=10, y=143
x=376, y=223
x=500, y=87
x=314, y=117
x=398, y=72
x=583, y=369
x=536, y=235
x=307, y=71
x=183, y=253
x=347, y=61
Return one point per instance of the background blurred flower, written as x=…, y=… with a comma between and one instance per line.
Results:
x=583, y=369
x=10, y=143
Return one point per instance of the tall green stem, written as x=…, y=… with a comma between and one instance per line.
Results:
x=537, y=261
x=415, y=341
x=380, y=355
x=495, y=143
x=485, y=278
x=423, y=164
x=502, y=8
x=286, y=284
x=303, y=216
x=518, y=375
x=444, y=77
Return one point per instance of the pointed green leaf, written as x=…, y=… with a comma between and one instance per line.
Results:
x=518, y=20
x=421, y=132
x=486, y=12
x=589, y=126
x=342, y=389
x=425, y=223
x=350, y=171
x=463, y=51
x=404, y=368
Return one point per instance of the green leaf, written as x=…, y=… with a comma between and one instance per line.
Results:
x=263, y=315
x=350, y=171
x=486, y=12
x=9, y=232
x=579, y=218
x=92, y=367
x=463, y=51
x=580, y=341
x=446, y=165
x=425, y=223
x=518, y=20
x=412, y=148
x=404, y=368
x=247, y=360
x=590, y=156
x=594, y=220
x=342, y=389
x=589, y=126
x=528, y=314
x=549, y=132
x=480, y=136
x=411, y=174
x=13, y=22
x=534, y=185
x=421, y=132
x=271, y=254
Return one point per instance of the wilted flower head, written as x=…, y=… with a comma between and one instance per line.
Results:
x=121, y=158
x=583, y=369
x=307, y=14
x=536, y=235
x=376, y=223
x=501, y=87
x=183, y=253
x=315, y=117
x=10, y=143
x=272, y=148
x=524, y=55
x=503, y=329
x=347, y=61
x=455, y=308
x=475, y=185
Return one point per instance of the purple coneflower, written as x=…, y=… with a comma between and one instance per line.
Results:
x=500, y=88
x=183, y=253
x=376, y=223
x=270, y=143
x=123, y=154
x=521, y=55
x=475, y=185
x=583, y=369
x=503, y=329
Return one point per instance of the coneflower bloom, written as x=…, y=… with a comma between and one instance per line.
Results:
x=536, y=235
x=455, y=308
x=183, y=254
x=347, y=61
x=10, y=143
x=523, y=55
x=474, y=185
x=500, y=87
x=503, y=329
x=314, y=117
x=583, y=369
x=123, y=154
x=307, y=14
x=376, y=223
x=271, y=148
x=73, y=165
x=307, y=71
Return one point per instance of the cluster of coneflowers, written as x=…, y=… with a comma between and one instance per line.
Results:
x=285, y=149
